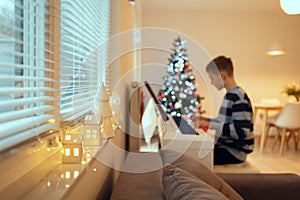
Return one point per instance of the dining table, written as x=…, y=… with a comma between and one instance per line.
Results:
x=265, y=109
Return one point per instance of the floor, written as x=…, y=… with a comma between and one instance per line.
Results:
x=267, y=162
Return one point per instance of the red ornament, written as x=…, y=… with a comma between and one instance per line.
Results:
x=186, y=66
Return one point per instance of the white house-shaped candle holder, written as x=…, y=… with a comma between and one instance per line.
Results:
x=91, y=130
x=72, y=149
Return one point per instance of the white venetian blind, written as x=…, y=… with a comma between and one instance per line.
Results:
x=26, y=68
x=84, y=36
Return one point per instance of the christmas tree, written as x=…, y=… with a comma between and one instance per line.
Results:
x=178, y=94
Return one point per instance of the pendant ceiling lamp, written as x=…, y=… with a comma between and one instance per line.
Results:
x=275, y=49
x=290, y=7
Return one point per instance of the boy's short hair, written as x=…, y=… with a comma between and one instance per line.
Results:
x=220, y=64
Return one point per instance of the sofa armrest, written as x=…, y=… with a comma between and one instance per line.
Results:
x=264, y=186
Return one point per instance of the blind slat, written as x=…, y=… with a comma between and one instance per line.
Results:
x=14, y=102
x=22, y=55
x=26, y=67
x=24, y=113
x=13, y=90
x=25, y=135
x=84, y=26
x=22, y=124
x=27, y=77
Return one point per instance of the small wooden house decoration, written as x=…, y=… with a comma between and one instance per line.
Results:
x=91, y=130
x=103, y=112
x=72, y=148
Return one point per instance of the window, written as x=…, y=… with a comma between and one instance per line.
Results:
x=26, y=95
x=84, y=38
x=46, y=79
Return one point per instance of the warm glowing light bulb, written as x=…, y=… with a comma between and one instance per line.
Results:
x=51, y=121
x=276, y=53
x=49, y=184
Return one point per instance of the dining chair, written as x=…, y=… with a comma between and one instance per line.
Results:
x=288, y=125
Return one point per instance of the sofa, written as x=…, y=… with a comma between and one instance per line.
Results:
x=171, y=175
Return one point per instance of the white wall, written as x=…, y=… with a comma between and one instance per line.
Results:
x=241, y=36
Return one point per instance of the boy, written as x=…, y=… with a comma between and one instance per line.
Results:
x=234, y=124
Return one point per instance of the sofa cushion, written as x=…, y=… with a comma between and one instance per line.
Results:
x=181, y=185
x=197, y=169
x=265, y=186
x=140, y=178
x=139, y=186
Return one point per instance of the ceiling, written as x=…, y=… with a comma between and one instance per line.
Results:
x=211, y=5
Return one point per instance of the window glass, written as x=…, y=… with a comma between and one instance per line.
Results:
x=26, y=82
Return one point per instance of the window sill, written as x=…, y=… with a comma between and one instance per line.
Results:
x=36, y=171
x=59, y=179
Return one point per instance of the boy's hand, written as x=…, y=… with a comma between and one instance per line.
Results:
x=200, y=121
x=203, y=123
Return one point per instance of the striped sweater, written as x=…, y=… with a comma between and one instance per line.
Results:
x=234, y=124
